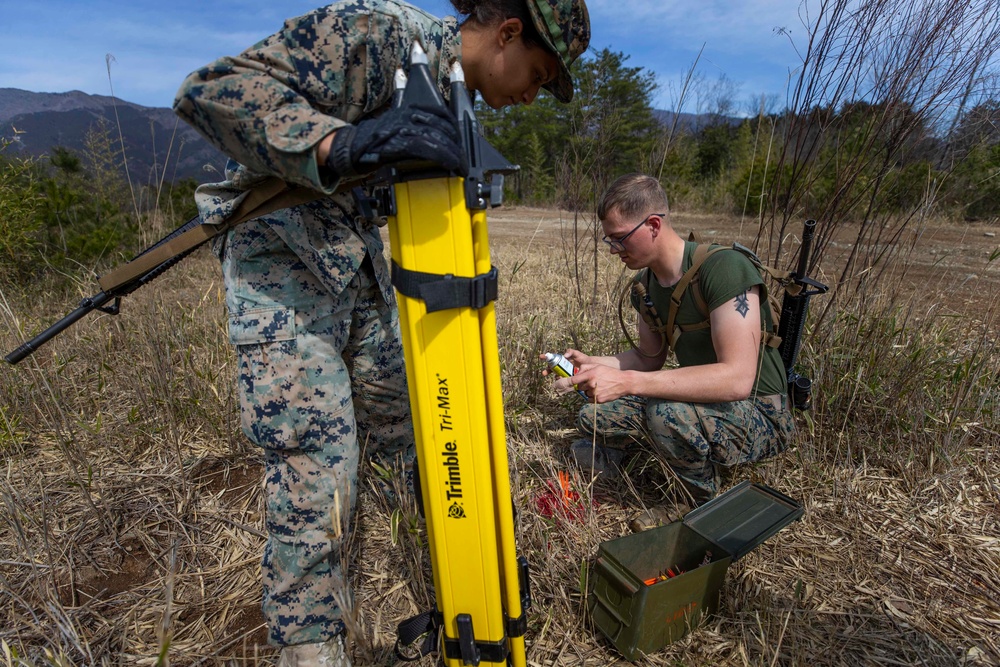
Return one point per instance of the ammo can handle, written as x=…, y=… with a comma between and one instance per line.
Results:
x=615, y=576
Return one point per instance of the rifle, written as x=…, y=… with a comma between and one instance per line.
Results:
x=269, y=196
x=794, y=308
x=98, y=301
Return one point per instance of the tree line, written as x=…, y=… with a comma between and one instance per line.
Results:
x=715, y=162
x=890, y=121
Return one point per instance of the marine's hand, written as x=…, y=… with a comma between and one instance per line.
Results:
x=601, y=383
x=545, y=371
x=577, y=357
x=413, y=132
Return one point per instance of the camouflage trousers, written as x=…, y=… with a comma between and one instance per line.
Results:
x=694, y=439
x=306, y=399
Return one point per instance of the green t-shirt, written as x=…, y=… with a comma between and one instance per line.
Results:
x=722, y=277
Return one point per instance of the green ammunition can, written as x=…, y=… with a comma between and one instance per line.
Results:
x=652, y=588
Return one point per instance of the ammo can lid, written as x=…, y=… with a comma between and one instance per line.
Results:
x=743, y=517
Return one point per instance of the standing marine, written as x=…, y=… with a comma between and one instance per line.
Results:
x=311, y=309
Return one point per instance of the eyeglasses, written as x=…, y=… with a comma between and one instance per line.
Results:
x=618, y=244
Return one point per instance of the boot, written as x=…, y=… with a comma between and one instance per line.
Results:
x=661, y=515
x=598, y=459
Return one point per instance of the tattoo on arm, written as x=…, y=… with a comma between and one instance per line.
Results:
x=743, y=304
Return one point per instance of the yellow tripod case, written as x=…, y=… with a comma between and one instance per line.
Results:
x=445, y=285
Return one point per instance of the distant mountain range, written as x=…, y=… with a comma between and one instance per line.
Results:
x=156, y=141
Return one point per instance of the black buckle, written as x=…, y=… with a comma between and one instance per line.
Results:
x=441, y=292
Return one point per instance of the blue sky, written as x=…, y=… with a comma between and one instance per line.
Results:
x=61, y=45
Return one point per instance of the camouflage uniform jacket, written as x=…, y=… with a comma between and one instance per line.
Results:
x=270, y=106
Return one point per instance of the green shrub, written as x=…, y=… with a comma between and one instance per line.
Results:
x=19, y=225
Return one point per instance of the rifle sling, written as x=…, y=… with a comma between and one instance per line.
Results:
x=271, y=195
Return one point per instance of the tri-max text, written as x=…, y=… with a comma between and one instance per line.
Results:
x=443, y=405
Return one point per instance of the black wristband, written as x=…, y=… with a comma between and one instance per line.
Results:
x=339, y=158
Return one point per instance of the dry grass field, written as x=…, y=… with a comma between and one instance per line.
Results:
x=131, y=527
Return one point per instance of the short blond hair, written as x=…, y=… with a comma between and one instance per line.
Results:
x=633, y=195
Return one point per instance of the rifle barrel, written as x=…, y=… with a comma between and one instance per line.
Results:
x=87, y=305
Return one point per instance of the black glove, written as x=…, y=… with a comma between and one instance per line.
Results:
x=404, y=133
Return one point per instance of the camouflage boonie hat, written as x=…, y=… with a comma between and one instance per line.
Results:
x=565, y=27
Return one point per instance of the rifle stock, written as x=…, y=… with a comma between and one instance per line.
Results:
x=794, y=308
